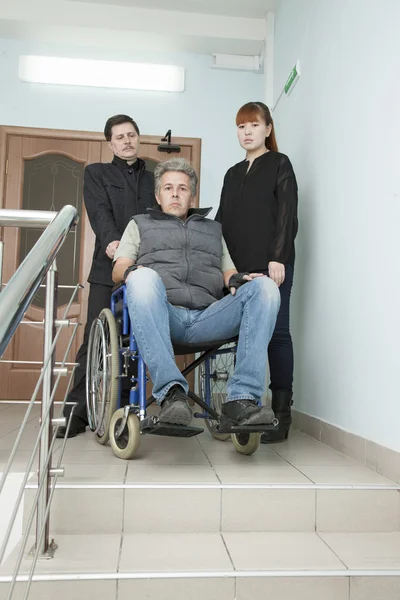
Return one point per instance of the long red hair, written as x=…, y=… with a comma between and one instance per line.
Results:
x=253, y=111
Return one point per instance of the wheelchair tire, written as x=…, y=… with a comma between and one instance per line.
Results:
x=126, y=446
x=102, y=374
x=221, y=366
x=246, y=443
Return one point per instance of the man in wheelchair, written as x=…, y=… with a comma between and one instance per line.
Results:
x=176, y=264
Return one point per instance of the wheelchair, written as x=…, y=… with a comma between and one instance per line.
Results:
x=113, y=356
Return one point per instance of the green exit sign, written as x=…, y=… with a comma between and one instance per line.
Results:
x=292, y=79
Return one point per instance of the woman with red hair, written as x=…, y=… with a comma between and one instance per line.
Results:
x=258, y=214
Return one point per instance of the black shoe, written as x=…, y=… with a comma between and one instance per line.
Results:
x=247, y=412
x=77, y=426
x=175, y=408
x=281, y=404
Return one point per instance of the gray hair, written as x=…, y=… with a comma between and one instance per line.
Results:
x=181, y=165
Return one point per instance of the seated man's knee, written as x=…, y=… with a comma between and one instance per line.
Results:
x=267, y=289
x=143, y=274
x=143, y=282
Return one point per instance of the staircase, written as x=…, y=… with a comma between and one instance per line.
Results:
x=192, y=519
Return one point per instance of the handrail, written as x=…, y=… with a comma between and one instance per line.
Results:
x=14, y=300
x=23, y=285
x=10, y=217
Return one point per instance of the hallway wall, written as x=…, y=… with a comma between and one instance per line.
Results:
x=341, y=126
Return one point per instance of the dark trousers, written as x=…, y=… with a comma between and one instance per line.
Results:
x=280, y=350
x=99, y=298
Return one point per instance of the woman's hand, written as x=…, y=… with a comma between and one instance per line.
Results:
x=276, y=272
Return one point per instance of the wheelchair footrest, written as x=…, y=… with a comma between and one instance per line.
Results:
x=227, y=425
x=247, y=428
x=153, y=426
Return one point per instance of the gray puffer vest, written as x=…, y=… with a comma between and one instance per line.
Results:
x=186, y=255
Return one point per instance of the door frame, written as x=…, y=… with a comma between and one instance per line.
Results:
x=90, y=136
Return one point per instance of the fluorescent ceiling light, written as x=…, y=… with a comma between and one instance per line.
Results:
x=101, y=73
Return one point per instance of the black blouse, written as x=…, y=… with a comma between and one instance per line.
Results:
x=258, y=212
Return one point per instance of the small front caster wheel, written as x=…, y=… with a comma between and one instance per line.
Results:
x=127, y=444
x=246, y=443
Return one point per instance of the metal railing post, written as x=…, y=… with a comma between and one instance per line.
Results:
x=49, y=332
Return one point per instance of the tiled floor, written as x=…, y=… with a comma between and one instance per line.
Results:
x=299, y=460
x=295, y=520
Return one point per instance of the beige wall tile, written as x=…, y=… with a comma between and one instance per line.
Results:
x=308, y=424
x=347, y=443
x=383, y=460
x=376, y=457
x=370, y=455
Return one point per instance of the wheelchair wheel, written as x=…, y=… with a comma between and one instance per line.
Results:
x=221, y=366
x=246, y=443
x=127, y=444
x=102, y=374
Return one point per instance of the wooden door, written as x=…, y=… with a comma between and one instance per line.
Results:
x=45, y=174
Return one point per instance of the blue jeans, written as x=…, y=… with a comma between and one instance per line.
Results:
x=251, y=313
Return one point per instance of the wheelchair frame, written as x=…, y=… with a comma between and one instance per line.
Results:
x=246, y=439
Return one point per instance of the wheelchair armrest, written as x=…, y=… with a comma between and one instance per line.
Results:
x=117, y=286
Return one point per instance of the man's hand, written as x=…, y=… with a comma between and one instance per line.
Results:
x=112, y=248
x=276, y=272
x=239, y=279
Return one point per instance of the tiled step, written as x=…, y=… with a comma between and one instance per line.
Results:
x=202, y=485
x=299, y=485
x=230, y=566
x=192, y=519
x=189, y=508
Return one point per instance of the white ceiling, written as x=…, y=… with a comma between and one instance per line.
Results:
x=193, y=26
x=256, y=9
